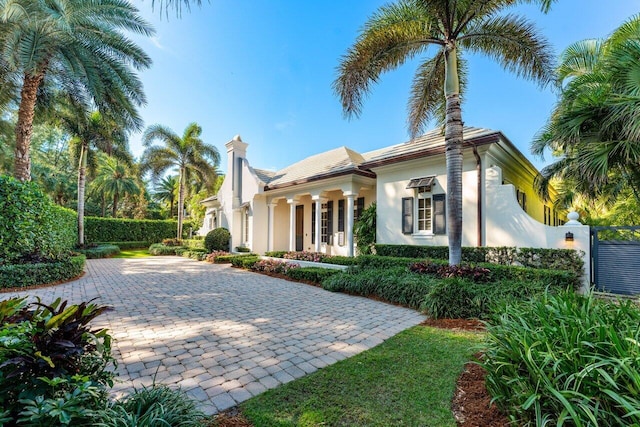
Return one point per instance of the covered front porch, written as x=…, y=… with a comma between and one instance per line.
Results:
x=318, y=217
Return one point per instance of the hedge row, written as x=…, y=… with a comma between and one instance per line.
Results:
x=553, y=259
x=126, y=230
x=31, y=226
x=23, y=275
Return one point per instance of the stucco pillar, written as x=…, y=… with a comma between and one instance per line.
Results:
x=270, y=241
x=292, y=224
x=350, y=197
x=318, y=202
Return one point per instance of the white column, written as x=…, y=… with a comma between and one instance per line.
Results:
x=318, y=202
x=292, y=224
x=270, y=241
x=350, y=196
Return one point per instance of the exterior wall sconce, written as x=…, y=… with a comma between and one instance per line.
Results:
x=568, y=237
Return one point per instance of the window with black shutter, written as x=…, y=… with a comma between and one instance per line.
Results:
x=341, y=215
x=407, y=215
x=439, y=214
x=359, y=207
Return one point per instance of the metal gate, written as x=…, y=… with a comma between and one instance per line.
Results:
x=615, y=260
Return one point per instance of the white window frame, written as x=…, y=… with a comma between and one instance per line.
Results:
x=324, y=223
x=423, y=193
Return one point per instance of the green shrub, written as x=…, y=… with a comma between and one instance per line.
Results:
x=153, y=406
x=100, y=251
x=375, y=261
x=217, y=240
x=396, y=285
x=311, y=274
x=275, y=254
x=127, y=245
x=463, y=298
x=364, y=230
x=193, y=253
x=172, y=242
x=160, y=249
x=242, y=249
x=31, y=227
x=273, y=266
x=305, y=256
x=340, y=260
x=566, y=360
x=193, y=243
x=124, y=230
x=553, y=259
x=212, y=257
x=54, y=369
x=244, y=261
x=24, y=275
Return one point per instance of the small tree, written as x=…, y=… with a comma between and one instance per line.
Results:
x=364, y=230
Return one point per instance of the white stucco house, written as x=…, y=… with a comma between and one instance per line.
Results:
x=311, y=205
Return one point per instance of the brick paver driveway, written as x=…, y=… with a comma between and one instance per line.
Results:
x=223, y=334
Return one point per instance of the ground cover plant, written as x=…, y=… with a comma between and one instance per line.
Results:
x=408, y=380
x=53, y=366
x=566, y=359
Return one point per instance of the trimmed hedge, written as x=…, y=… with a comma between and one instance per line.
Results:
x=244, y=261
x=275, y=254
x=193, y=243
x=126, y=230
x=228, y=259
x=23, y=275
x=553, y=259
x=101, y=251
x=311, y=274
x=217, y=240
x=31, y=226
x=193, y=253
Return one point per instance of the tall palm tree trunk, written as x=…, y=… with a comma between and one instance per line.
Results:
x=24, y=127
x=115, y=204
x=82, y=184
x=103, y=204
x=453, y=147
x=180, y=202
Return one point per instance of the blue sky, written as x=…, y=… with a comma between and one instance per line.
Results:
x=263, y=69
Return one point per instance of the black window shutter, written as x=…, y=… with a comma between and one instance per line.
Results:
x=341, y=215
x=313, y=223
x=439, y=214
x=407, y=215
x=359, y=207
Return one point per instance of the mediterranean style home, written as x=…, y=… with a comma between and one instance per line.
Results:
x=312, y=204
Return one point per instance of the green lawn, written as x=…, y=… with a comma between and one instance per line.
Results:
x=133, y=253
x=408, y=380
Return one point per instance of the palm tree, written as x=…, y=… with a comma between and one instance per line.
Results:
x=91, y=133
x=166, y=191
x=193, y=158
x=595, y=126
x=113, y=180
x=80, y=46
x=400, y=31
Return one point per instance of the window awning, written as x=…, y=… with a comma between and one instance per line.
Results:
x=426, y=181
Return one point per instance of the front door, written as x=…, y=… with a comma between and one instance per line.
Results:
x=299, y=227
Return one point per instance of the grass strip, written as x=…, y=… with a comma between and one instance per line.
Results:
x=133, y=253
x=409, y=379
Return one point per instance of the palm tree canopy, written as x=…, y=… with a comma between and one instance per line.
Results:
x=187, y=153
x=402, y=31
x=81, y=45
x=114, y=178
x=595, y=126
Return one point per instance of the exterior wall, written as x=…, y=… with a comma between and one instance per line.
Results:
x=391, y=186
x=508, y=225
